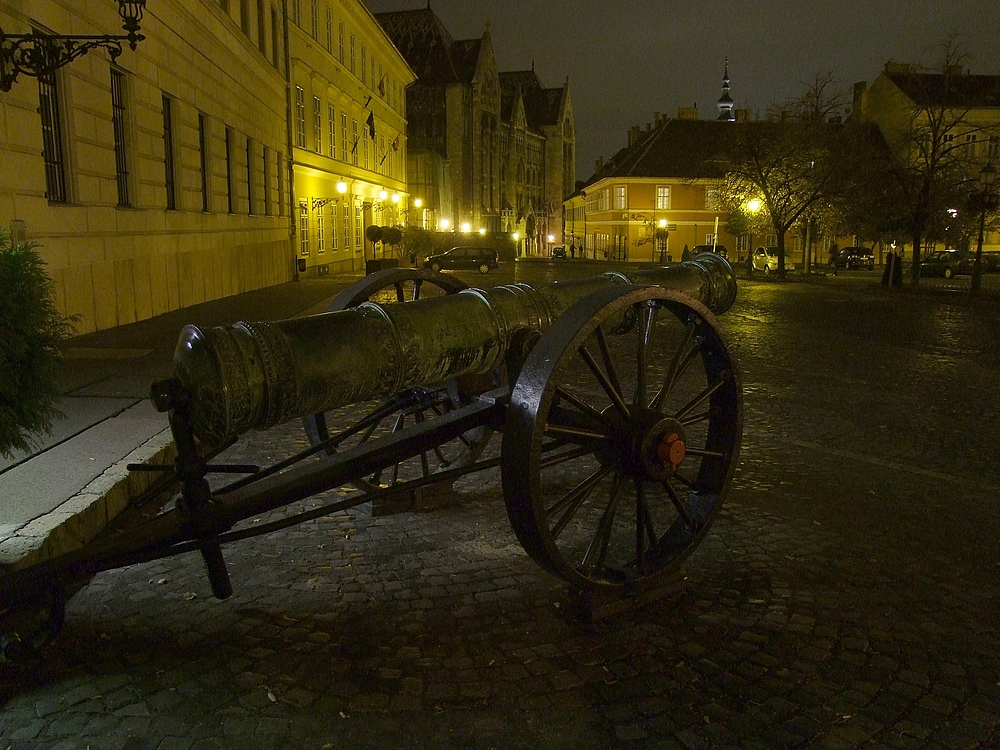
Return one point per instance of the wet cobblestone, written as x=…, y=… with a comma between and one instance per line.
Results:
x=846, y=597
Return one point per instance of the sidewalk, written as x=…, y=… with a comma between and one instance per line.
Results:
x=60, y=495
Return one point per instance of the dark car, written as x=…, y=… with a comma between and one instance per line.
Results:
x=559, y=252
x=717, y=249
x=854, y=259
x=483, y=259
x=947, y=263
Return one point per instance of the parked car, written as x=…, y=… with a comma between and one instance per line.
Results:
x=559, y=252
x=947, y=263
x=718, y=249
x=766, y=259
x=483, y=259
x=853, y=259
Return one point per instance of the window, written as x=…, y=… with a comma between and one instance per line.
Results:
x=274, y=37
x=366, y=139
x=261, y=32
x=320, y=233
x=329, y=30
x=331, y=124
x=662, y=197
x=250, y=195
x=994, y=148
x=343, y=137
x=620, y=199
x=52, y=138
x=317, y=125
x=712, y=198
x=304, y=228
x=231, y=205
x=245, y=17
x=333, y=227
x=119, y=122
x=168, y=154
x=970, y=146
x=364, y=63
x=340, y=41
x=374, y=82
x=314, y=18
x=354, y=142
x=300, y=117
x=357, y=225
x=203, y=160
x=347, y=225
x=352, y=53
x=280, y=171
x=297, y=12
x=266, y=172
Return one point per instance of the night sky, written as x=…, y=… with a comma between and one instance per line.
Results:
x=626, y=60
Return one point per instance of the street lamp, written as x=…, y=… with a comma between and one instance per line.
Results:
x=987, y=176
x=39, y=54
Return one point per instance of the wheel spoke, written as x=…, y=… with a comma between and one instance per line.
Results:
x=700, y=398
x=570, y=503
x=573, y=433
x=559, y=458
x=696, y=418
x=683, y=357
x=644, y=335
x=681, y=508
x=614, y=392
x=593, y=559
x=400, y=294
x=705, y=453
x=644, y=530
x=586, y=408
x=416, y=289
x=609, y=363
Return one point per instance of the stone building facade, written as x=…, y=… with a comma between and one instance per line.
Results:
x=488, y=150
x=164, y=179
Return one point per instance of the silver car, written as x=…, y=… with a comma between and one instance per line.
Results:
x=766, y=259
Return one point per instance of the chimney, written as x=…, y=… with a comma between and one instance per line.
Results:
x=687, y=113
x=742, y=115
x=656, y=119
x=599, y=163
x=860, y=96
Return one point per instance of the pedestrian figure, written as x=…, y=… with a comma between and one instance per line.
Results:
x=572, y=251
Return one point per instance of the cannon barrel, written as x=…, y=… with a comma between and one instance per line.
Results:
x=255, y=375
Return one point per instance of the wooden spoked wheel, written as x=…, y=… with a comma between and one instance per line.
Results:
x=623, y=431
x=361, y=423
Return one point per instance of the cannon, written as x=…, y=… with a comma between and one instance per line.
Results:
x=618, y=400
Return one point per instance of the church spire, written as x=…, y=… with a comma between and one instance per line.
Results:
x=725, y=101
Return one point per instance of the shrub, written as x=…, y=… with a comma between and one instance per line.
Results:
x=33, y=333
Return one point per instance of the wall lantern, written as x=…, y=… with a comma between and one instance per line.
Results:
x=40, y=54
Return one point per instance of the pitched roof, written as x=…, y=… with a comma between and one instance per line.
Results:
x=967, y=91
x=426, y=45
x=542, y=106
x=676, y=148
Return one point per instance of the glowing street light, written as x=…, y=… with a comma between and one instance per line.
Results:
x=552, y=238
x=443, y=224
x=516, y=236
x=466, y=227
x=753, y=205
x=417, y=202
x=482, y=230
x=341, y=187
x=395, y=197
x=382, y=195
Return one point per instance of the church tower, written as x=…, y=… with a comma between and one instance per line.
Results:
x=725, y=101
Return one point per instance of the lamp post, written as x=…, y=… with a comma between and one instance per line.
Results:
x=987, y=176
x=39, y=54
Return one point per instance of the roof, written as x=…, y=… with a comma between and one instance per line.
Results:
x=542, y=106
x=426, y=45
x=688, y=149
x=967, y=91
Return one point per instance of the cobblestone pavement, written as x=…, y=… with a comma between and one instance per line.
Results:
x=847, y=595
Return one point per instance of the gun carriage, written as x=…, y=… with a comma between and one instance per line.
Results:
x=617, y=398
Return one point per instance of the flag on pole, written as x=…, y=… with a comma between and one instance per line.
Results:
x=395, y=143
x=381, y=87
x=370, y=122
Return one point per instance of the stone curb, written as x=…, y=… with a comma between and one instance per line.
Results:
x=82, y=517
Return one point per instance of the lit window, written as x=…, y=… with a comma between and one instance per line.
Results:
x=662, y=197
x=317, y=125
x=331, y=124
x=619, y=197
x=304, y=228
x=300, y=117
